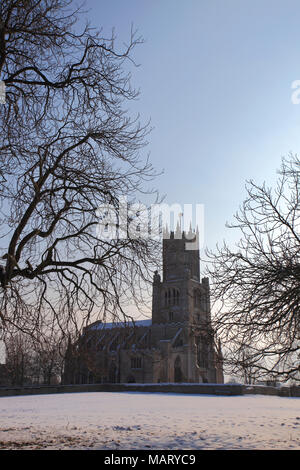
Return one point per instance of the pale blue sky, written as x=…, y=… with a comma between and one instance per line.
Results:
x=215, y=79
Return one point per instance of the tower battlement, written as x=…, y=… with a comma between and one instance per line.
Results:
x=181, y=259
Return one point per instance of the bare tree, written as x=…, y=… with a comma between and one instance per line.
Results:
x=18, y=359
x=257, y=283
x=67, y=147
x=34, y=361
x=48, y=357
x=240, y=363
x=82, y=362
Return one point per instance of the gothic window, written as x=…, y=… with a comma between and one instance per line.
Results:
x=171, y=316
x=177, y=370
x=202, y=352
x=171, y=297
x=136, y=363
x=175, y=297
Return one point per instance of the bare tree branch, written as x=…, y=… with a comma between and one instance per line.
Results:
x=257, y=283
x=67, y=147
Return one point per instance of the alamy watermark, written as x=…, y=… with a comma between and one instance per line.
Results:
x=159, y=221
x=2, y=92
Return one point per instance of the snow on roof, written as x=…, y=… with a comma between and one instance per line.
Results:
x=108, y=326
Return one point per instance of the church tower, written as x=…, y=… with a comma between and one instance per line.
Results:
x=180, y=296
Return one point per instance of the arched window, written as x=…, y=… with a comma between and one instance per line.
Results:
x=172, y=297
x=177, y=370
x=175, y=297
x=202, y=352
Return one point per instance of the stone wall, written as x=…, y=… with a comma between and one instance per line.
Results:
x=208, y=389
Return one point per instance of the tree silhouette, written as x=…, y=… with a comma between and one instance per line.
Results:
x=257, y=283
x=67, y=147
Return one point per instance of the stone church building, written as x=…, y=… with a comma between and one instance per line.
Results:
x=176, y=345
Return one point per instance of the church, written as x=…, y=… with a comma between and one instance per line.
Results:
x=176, y=345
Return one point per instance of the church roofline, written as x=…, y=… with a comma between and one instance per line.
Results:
x=108, y=326
x=139, y=323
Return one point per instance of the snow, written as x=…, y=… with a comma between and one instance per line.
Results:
x=136, y=420
x=109, y=326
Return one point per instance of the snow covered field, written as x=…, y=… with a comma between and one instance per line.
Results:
x=149, y=421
